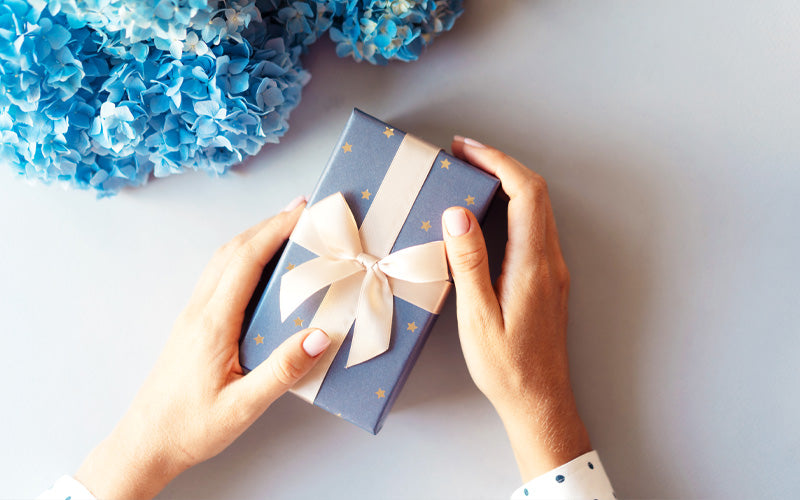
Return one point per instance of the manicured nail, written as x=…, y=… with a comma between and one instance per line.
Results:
x=468, y=141
x=294, y=203
x=316, y=342
x=456, y=221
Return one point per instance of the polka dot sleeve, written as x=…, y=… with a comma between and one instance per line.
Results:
x=67, y=488
x=582, y=478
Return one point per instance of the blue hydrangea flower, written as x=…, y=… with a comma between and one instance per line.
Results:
x=49, y=73
x=305, y=21
x=118, y=129
x=209, y=112
x=165, y=22
x=76, y=109
x=381, y=30
x=102, y=94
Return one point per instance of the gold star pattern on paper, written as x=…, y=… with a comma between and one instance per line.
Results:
x=446, y=164
x=259, y=339
x=290, y=266
x=426, y=225
x=298, y=322
x=470, y=200
x=365, y=194
x=412, y=326
x=388, y=132
x=347, y=148
x=381, y=393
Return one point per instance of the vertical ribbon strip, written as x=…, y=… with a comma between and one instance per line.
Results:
x=363, y=276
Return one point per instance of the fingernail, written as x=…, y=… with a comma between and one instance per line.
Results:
x=294, y=203
x=316, y=342
x=468, y=141
x=456, y=221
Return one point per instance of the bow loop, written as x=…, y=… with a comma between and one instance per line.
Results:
x=328, y=228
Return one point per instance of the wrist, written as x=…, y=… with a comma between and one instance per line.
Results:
x=127, y=465
x=545, y=433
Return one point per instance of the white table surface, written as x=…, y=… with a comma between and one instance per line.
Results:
x=668, y=132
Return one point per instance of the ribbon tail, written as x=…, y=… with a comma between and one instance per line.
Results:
x=334, y=316
x=373, y=325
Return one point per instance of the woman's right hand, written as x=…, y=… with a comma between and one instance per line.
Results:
x=513, y=335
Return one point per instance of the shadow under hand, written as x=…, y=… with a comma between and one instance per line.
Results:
x=606, y=212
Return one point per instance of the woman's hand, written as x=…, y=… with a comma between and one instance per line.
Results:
x=196, y=400
x=514, y=335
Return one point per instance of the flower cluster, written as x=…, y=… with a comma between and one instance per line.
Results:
x=303, y=21
x=168, y=25
x=381, y=30
x=102, y=94
x=49, y=74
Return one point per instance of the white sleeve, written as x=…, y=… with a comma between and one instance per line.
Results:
x=67, y=488
x=582, y=478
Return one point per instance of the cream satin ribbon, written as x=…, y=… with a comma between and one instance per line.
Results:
x=417, y=274
x=356, y=263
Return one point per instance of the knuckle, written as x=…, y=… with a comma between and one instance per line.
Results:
x=278, y=222
x=564, y=277
x=219, y=252
x=286, y=370
x=553, y=280
x=536, y=186
x=559, y=270
x=563, y=273
x=497, y=156
x=237, y=241
x=246, y=252
x=470, y=260
x=561, y=281
x=228, y=248
x=208, y=321
x=222, y=252
x=277, y=226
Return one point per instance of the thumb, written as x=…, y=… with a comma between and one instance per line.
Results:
x=287, y=364
x=469, y=263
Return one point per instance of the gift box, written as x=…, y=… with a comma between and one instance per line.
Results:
x=366, y=264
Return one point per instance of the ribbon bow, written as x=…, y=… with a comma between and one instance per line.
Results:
x=417, y=274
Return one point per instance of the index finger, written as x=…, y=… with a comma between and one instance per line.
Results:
x=239, y=279
x=212, y=273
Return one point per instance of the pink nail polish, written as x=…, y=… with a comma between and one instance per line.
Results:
x=456, y=221
x=469, y=142
x=316, y=342
x=294, y=203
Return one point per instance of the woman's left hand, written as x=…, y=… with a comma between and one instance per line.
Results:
x=197, y=400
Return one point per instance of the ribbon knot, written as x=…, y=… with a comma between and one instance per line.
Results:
x=365, y=285
x=367, y=260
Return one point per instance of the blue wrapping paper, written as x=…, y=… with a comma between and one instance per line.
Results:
x=363, y=394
